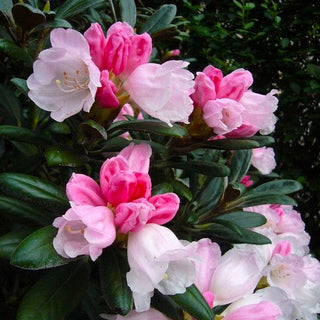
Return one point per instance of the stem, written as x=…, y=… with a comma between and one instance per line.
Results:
x=113, y=11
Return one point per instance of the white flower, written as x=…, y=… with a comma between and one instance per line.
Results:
x=64, y=79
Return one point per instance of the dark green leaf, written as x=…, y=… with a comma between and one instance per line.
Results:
x=57, y=156
x=96, y=127
x=162, y=188
x=21, y=84
x=160, y=19
x=26, y=16
x=207, y=168
x=59, y=128
x=6, y=7
x=56, y=23
x=32, y=188
x=282, y=186
x=314, y=70
x=221, y=232
x=181, y=189
x=167, y=306
x=37, y=252
x=193, y=302
x=21, y=211
x=21, y=134
x=55, y=295
x=165, y=33
x=240, y=163
x=151, y=126
x=10, y=103
x=10, y=241
x=113, y=266
x=128, y=11
x=244, y=219
x=71, y=8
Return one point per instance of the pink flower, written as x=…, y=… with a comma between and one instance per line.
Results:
x=204, y=90
x=162, y=91
x=158, y=260
x=246, y=181
x=106, y=95
x=65, y=79
x=263, y=159
x=222, y=115
x=83, y=190
x=234, y=84
x=84, y=230
x=151, y=314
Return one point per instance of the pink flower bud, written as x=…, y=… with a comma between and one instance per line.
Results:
x=106, y=95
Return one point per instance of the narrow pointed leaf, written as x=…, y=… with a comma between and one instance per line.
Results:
x=240, y=163
x=149, y=126
x=113, y=267
x=167, y=306
x=10, y=241
x=71, y=8
x=55, y=295
x=244, y=219
x=160, y=19
x=193, y=302
x=128, y=11
x=282, y=186
x=37, y=252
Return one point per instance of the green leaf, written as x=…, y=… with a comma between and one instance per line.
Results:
x=166, y=305
x=71, y=8
x=240, y=163
x=96, y=127
x=193, y=302
x=244, y=219
x=56, y=23
x=10, y=241
x=128, y=11
x=162, y=188
x=37, y=252
x=21, y=84
x=181, y=189
x=32, y=188
x=21, y=134
x=26, y=16
x=149, y=126
x=207, y=168
x=113, y=266
x=55, y=295
x=6, y=7
x=160, y=19
x=9, y=103
x=221, y=232
x=58, y=156
x=314, y=70
x=19, y=210
x=59, y=128
x=283, y=186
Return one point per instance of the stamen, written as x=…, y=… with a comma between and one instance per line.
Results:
x=165, y=276
x=68, y=228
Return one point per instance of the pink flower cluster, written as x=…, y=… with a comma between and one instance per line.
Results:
x=112, y=70
x=229, y=107
x=123, y=200
x=280, y=280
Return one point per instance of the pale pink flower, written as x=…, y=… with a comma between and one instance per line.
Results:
x=83, y=190
x=64, y=79
x=234, y=84
x=151, y=314
x=236, y=275
x=222, y=115
x=204, y=90
x=263, y=159
x=158, y=260
x=84, y=230
x=162, y=91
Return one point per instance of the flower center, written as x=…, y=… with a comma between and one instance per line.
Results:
x=68, y=228
x=75, y=81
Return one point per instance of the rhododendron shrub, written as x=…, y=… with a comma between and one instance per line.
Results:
x=142, y=191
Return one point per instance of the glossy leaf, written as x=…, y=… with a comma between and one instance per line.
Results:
x=37, y=252
x=162, y=188
x=32, y=188
x=10, y=241
x=96, y=127
x=128, y=11
x=71, y=8
x=56, y=23
x=240, y=163
x=18, y=210
x=21, y=84
x=113, y=266
x=193, y=302
x=56, y=294
x=26, y=16
x=219, y=232
x=57, y=156
x=282, y=186
x=21, y=134
x=10, y=104
x=244, y=219
x=6, y=7
x=160, y=19
x=149, y=126
x=59, y=128
x=167, y=306
x=207, y=168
